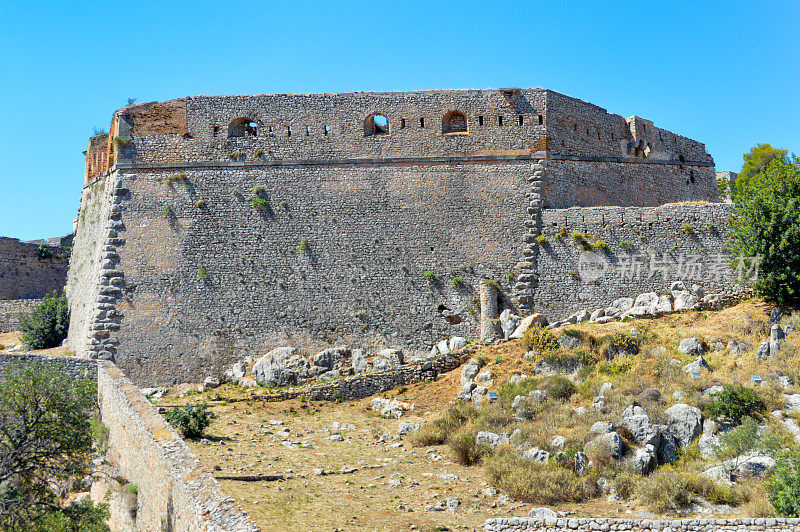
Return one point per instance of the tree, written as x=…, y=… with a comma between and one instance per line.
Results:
x=756, y=161
x=45, y=442
x=766, y=223
x=190, y=420
x=742, y=444
x=47, y=324
x=783, y=487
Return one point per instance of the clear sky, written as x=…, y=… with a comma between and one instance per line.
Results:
x=724, y=73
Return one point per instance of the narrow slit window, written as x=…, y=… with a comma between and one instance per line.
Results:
x=421, y=122
x=288, y=131
x=325, y=129
x=575, y=127
x=500, y=121
x=215, y=131
x=402, y=123
x=520, y=119
x=541, y=119
x=480, y=120
x=271, y=131
x=308, y=131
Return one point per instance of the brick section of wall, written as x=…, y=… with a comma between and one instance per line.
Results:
x=10, y=310
x=561, y=291
x=24, y=276
x=72, y=366
x=175, y=491
x=535, y=524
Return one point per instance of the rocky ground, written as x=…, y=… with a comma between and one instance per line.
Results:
x=344, y=466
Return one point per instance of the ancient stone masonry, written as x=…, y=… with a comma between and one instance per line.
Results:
x=26, y=274
x=538, y=524
x=220, y=225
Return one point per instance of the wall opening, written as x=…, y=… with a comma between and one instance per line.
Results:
x=402, y=123
x=325, y=129
x=271, y=131
x=243, y=127
x=520, y=119
x=308, y=131
x=288, y=131
x=500, y=121
x=376, y=124
x=421, y=122
x=215, y=130
x=480, y=120
x=454, y=122
x=541, y=119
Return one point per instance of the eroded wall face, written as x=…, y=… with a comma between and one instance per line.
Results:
x=234, y=261
x=648, y=249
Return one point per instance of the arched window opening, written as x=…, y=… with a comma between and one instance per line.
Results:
x=243, y=127
x=376, y=124
x=454, y=122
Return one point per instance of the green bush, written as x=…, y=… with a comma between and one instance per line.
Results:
x=735, y=402
x=465, y=449
x=259, y=204
x=539, y=339
x=429, y=276
x=626, y=244
x=303, y=246
x=568, y=360
x=190, y=420
x=491, y=282
x=45, y=252
x=765, y=224
x=783, y=487
x=542, y=240
x=47, y=324
x=666, y=490
x=456, y=281
x=558, y=387
x=619, y=343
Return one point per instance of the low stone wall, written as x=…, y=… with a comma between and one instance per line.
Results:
x=72, y=366
x=10, y=309
x=538, y=524
x=175, y=491
x=381, y=381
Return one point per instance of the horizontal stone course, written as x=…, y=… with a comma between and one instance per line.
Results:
x=536, y=524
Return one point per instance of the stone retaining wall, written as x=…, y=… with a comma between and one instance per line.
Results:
x=175, y=491
x=72, y=366
x=10, y=309
x=537, y=524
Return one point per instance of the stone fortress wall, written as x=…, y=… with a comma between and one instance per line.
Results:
x=231, y=224
x=23, y=275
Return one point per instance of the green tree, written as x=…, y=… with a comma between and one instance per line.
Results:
x=47, y=324
x=766, y=223
x=190, y=420
x=45, y=442
x=756, y=161
x=783, y=487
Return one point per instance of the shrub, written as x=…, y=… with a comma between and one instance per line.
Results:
x=259, y=204
x=44, y=252
x=190, y=420
x=456, y=281
x=558, y=387
x=491, y=282
x=568, y=360
x=200, y=203
x=259, y=153
x=665, y=490
x=765, y=224
x=735, y=402
x=436, y=433
x=303, y=246
x=257, y=190
x=783, y=487
x=166, y=212
x=534, y=482
x=122, y=142
x=498, y=359
x=47, y=324
x=626, y=244
x=465, y=449
x=180, y=176
x=202, y=274
x=601, y=245
x=429, y=276
x=619, y=343
x=541, y=239
x=539, y=339
x=577, y=236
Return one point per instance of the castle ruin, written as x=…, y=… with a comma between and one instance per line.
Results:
x=213, y=226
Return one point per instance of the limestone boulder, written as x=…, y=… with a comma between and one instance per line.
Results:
x=644, y=460
x=394, y=356
x=610, y=443
x=330, y=358
x=470, y=371
x=381, y=364
x=509, y=322
x=456, y=343
x=685, y=422
x=466, y=391
x=698, y=364
x=526, y=323
x=358, y=361
x=691, y=346
x=492, y=439
x=622, y=303
x=537, y=455
x=283, y=366
x=235, y=372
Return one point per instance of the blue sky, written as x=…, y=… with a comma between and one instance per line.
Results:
x=725, y=73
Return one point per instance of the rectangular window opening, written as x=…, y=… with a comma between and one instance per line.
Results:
x=288, y=131
x=325, y=129
x=308, y=130
x=215, y=131
x=500, y=121
x=402, y=123
x=520, y=120
x=480, y=120
x=271, y=131
x=421, y=122
x=541, y=119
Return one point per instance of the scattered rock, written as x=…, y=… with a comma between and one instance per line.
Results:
x=623, y=303
x=478, y=394
x=394, y=356
x=610, y=443
x=568, y=341
x=685, y=422
x=154, y=393
x=738, y=347
x=234, y=373
x=358, y=361
x=580, y=463
x=389, y=408
x=537, y=455
x=792, y=402
x=763, y=351
x=558, y=442
x=508, y=322
x=457, y=342
x=336, y=437
x=644, y=460
x=406, y=427
x=486, y=378
x=283, y=366
x=330, y=358
x=691, y=346
x=530, y=321
x=470, y=371
x=466, y=391
x=602, y=427
x=492, y=439
x=698, y=364
x=543, y=513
